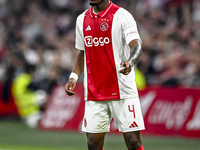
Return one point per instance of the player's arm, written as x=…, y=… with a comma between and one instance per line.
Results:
x=77, y=71
x=135, y=53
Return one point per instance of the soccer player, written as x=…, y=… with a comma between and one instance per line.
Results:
x=110, y=46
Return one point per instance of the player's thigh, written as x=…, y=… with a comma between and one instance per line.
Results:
x=97, y=117
x=127, y=114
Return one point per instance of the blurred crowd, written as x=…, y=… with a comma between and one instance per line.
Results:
x=170, y=31
x=42, y=33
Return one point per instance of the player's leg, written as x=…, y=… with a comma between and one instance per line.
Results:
x=133, y=140
x=128, y=117
x=96, y=123
x=95, y=141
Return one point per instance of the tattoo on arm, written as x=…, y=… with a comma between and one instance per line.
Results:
x=135, y=53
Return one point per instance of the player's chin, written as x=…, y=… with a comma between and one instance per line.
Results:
x=93, y=3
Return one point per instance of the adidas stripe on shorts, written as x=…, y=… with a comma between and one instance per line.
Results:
x=126, y=113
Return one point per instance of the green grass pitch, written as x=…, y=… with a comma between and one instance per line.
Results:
x=14, y=135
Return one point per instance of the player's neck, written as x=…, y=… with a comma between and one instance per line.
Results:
x=101, y=7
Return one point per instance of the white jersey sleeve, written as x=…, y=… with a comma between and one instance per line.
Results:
x=129, y=27
x=79, y=41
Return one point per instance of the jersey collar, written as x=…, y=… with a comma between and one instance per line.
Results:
x=101, y=14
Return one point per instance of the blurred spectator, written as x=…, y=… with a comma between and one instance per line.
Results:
x=48, y=84
x=27, y=101
x=140, y=79
x=15, y=65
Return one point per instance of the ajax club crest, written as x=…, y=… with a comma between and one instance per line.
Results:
x=104, y=26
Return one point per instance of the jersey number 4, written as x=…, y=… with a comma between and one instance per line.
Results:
x=132, y=109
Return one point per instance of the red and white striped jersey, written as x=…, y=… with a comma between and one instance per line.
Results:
x=105, y=37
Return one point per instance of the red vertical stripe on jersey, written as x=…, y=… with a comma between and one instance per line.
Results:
x=102, y=79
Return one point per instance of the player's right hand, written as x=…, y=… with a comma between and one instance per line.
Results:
x=69, y=87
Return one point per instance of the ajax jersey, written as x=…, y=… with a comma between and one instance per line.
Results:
x=105, y=37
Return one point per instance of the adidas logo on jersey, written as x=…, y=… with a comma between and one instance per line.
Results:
x=134, y=124
x=88, y=28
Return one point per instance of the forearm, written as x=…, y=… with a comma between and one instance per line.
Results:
x=79, y=64
x=135, y=53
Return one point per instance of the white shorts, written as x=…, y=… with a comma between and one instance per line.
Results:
x=126, y=113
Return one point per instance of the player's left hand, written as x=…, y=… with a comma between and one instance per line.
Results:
x=126, y=67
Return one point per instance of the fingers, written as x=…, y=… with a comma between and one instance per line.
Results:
x=121, y=70
x=70, y=93
x=125, y=68
x=69, y=87
x=126, y=71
